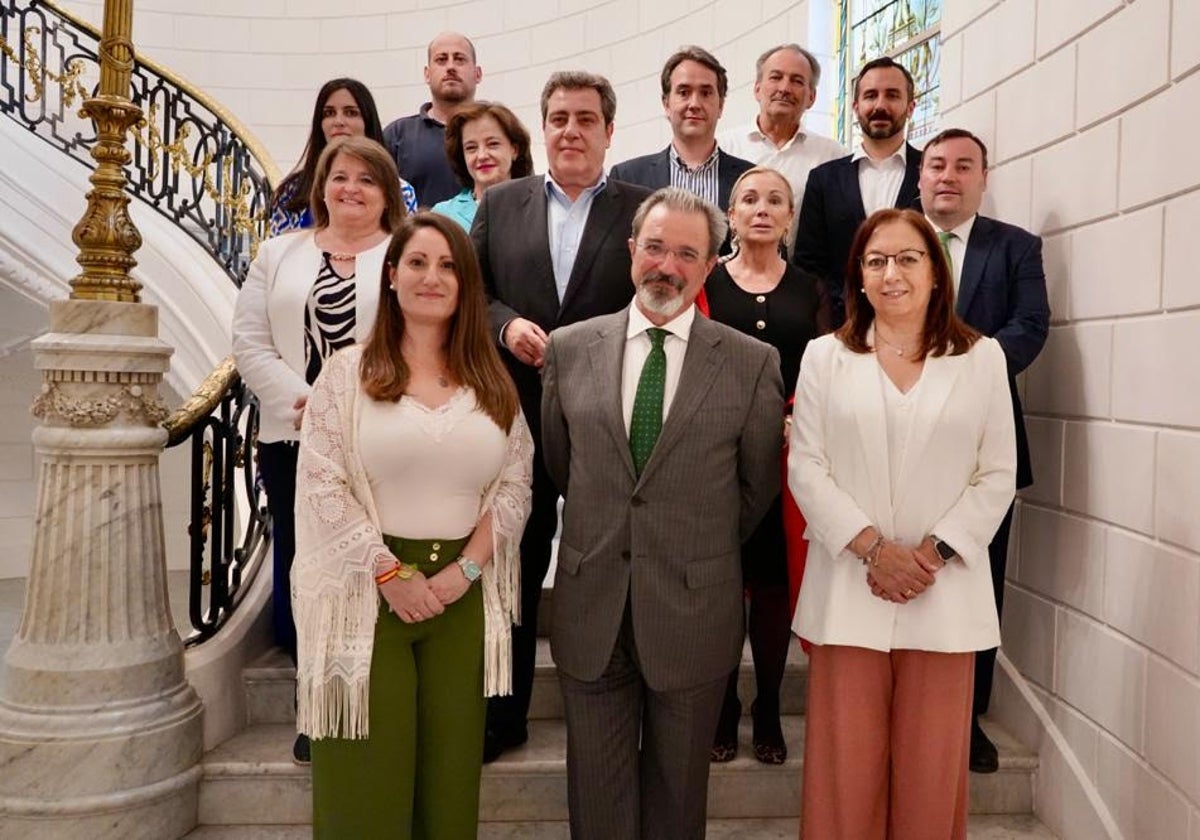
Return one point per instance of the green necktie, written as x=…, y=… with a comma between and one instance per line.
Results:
x=646, y=422
x=944, y=237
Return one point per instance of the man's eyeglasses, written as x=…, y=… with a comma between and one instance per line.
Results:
x=658, y=251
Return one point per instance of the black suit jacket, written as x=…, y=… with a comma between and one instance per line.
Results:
x=830, y=216
x=1002, y=293
x=512, y=240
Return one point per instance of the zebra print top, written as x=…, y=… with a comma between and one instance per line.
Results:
x=328, y=318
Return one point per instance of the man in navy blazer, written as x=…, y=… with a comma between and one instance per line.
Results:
x=1000, y=290
x=694, y=85
x=881, y=173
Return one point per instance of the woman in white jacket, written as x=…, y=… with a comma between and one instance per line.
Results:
x=301, y=302
x=903, y=462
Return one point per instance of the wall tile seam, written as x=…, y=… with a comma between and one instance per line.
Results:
x=1159, y=199
x=1126, y=107
x=1068, y=610
x=1090, y=27
x=995, y=4
x=1147, y=766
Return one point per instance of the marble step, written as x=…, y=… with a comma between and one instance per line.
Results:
x=250, y=780
x=270, y=685
x=980, y=827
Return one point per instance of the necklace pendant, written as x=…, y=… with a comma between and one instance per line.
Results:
x=443, y=381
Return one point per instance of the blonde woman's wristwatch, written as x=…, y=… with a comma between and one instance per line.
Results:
x=943, y=548
x=470, y=568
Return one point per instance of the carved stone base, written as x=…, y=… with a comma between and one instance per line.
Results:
x=100, y=734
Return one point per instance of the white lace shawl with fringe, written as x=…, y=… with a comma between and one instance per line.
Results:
x=334, y=597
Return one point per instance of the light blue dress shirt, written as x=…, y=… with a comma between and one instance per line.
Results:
x=565, y=221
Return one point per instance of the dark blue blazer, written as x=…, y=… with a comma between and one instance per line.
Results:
x=654, y=171
x=1002, y=293
x=830, y=216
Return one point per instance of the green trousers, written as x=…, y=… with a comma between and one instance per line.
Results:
x=417, y=776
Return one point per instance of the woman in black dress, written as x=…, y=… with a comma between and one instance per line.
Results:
x=759, y=293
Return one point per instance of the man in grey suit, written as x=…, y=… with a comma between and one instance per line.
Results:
x=552, y=251
x=662, y=430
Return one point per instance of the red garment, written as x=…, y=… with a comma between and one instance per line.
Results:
x=797, y=546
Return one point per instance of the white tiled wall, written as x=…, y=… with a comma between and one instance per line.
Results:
x=266, y=60
x=1094, y=147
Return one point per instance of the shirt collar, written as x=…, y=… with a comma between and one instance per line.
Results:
x=757, y=135
x=682, y=164
x=554, y=191
x=680, y=326
x=963, y=231
x=901, y=153
x=424, y=112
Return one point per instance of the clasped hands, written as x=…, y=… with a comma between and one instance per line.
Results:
x=899, y=574
x=420, y=598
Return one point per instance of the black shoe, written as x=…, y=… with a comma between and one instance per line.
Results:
x=496, y=742
x=984, y=758
x=302, y=750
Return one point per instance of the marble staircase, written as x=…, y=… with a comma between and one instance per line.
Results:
x=251, y=789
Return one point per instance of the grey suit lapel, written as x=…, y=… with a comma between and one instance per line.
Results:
x=979, y=248
x=606, y=352
x=701, y=363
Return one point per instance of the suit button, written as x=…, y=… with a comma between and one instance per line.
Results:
x=637, y=501
x=762, y=325
x=625, y=555
x=436, y=546
x=761, y=298
x=433, y=556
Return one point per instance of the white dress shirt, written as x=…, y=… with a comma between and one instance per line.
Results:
x=879, y=181
x=957, y=246
x=637, y=348
x=794, y=159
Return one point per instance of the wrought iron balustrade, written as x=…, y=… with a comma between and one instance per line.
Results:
x=192, y=161
x=230, y=526
x=196, y=165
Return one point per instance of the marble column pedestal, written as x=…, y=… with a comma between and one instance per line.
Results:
x=100, y=733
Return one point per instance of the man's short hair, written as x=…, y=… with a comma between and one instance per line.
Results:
x=684, y=201
x=809, y=57
x=470, y=46
x=956, y=134
x=700, y=56
x=581, y=80
x=882, y=63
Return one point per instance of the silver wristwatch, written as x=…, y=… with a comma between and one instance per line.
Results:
x=470, y=568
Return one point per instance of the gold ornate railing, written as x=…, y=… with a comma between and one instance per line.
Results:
x=85, y=93
x=191, y=160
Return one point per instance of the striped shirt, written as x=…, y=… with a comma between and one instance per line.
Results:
x=702, y=180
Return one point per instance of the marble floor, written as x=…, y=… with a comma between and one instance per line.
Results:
x=981, y=828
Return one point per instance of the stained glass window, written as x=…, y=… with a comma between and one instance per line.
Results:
x=907, y=30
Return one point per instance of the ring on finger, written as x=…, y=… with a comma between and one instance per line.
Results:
x=908, y=593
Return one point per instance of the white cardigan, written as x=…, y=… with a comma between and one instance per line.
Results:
x=268, y=323
x=960, y=477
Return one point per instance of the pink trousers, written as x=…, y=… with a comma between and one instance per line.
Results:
x=886, y=744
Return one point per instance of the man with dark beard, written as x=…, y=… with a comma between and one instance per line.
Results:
x=882, y=172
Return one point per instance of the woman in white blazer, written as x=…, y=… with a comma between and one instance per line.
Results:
x=308, y=294
x=903, y=462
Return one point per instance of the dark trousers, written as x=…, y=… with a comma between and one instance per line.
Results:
x=637, y=759
x=277, y=463
x=508, y=716
x=985, y=660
